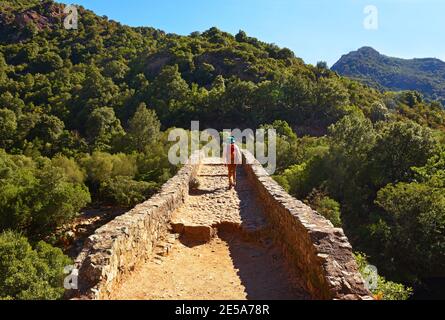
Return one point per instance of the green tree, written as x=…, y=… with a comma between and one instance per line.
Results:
x=411, y=98
x=30, y=274
x=48, y=129
x=36, y=198
x=322, y=69
x=8, y=126
x=116, y=70
x=379, y=112
x=416, y=214
x=287, y=144
x=433, y=173
x=101, y=166
x=285, y=53
x=386, y=290
x=11, y=102
x=126, y=192
x=143, y=129
x=169, y=91
x=241, y=36
x=47, y=62
x=96, y=92
x=351, y=140
x=205, y=74
x=331, y=100
x=353, y=136
x=103, y=128
x=327, y=207
x=400, y=146
x=71, y=169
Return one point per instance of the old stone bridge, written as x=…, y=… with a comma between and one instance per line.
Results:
x=252, y=242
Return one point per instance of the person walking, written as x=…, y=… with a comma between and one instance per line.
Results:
x=233, y=158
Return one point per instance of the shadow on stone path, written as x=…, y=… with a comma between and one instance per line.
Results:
x=219, y=250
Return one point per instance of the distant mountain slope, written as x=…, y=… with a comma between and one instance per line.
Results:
x=221, y=79
x=367, y=65
x=57, y=81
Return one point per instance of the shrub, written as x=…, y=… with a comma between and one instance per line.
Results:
x=297, y=177
x=71, y=169
x=389, y=290
x=101, y=166
x=27, y=273
x=386, y=290
x=417, y=220
x=327, y=207
x=127, y=192
x=282, y=181
x=8, y=125
x=36, y=197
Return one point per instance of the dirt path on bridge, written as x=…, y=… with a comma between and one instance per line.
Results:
x=223, y=254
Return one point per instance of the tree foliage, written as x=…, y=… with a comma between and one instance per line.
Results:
x=388, y=181
x=28, y=273
x=36, y=197
x=143, y=129
x=385, y=290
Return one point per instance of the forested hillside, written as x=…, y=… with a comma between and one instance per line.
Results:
x=425, y=75
x=84, y=116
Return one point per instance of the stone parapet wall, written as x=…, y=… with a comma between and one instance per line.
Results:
x=320, y=253
x=120, y=246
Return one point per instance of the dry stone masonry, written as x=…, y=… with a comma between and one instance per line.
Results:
x=257, y=220
x=321, y=253
x=119, y=246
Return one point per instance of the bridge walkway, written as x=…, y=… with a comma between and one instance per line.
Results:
x=218, y=249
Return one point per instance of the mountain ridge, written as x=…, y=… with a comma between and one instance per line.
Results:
x=425, y=75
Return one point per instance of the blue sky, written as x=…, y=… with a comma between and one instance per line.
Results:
x=316, y=30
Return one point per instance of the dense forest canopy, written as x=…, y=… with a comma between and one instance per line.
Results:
x=84, y=117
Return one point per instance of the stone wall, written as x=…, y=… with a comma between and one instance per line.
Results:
x=119, y=246
x=315, y=249
x=318, y=251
